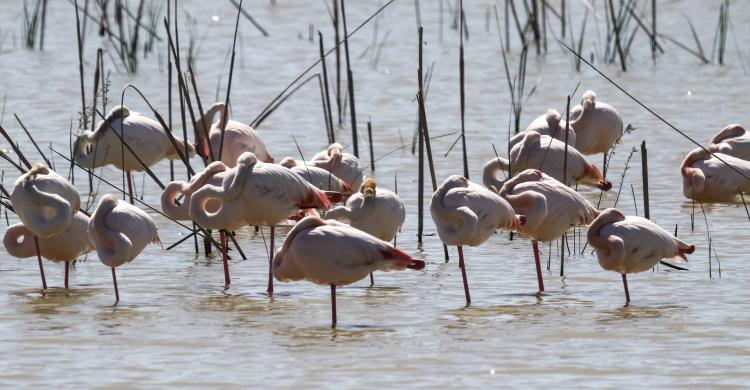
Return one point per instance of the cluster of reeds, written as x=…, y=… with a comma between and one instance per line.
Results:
x=33, y=23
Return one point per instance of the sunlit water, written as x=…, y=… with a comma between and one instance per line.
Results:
x=176, y=326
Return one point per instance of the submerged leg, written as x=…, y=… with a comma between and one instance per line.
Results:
x=41, y=267
x=462, y=265
x=224, y=257
x=372, y=280
x=270, y=264
x=130, y=186
x=535, y=248
x=114, y=282
x=333, y=306
x=67, y=271
x=625, y=285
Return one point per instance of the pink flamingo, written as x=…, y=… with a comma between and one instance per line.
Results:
x=142, y=134
x=256, y=193
x=46, y=203
x=631, y=244
x=732, y=140
x=550, y=207
x=536, y=151
x=213, y=173
x=65, y=246
x=343, y=165
x=374, y=211
x=335, y=254
x=597, y=125
x=319, y=177
x=119, y=232
x=706, y=178
x=468, y=214
x=550, y=124
x=238, y=138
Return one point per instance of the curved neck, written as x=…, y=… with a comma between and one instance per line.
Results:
x=606, y=218
x=588, y=104
x=26, y=246
x=62, y=212
x=489, y=173
x=169, y=201
x=109, y=243
x=340, y=213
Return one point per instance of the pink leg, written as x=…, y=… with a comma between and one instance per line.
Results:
x=41, y=267
x=463, y=274
x=333, y=306
x=114, y=282
x=627, y=293
x=604, y=166
x=224, y=257
x=67, y=271
x=372, y=280
x=130, y=186
x=270, y=265
x=535, y=248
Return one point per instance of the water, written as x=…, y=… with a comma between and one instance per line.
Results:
x=177, y=327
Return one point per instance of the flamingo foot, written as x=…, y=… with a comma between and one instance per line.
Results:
x=269, y=290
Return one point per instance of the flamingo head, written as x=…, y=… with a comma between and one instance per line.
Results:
x=288, y=162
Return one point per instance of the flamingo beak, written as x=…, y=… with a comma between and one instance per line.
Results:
x=604, y=185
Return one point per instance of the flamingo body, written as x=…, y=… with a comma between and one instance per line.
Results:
x=536, y=151
x=468, y=214
x=333, y=253
x=238, y=138
x=550, y=207
x=733, y=140
x=65, y=246
x=143, y=135
x=120, y=231
x=550, y=124
x=45, y=202
x=375, y=211
x=345, y=166
x=597, y=125
x=706, y=178
x=319, y=177
x=631, y=244
x=254, y=193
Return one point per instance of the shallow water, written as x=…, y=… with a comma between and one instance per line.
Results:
x=177, y=327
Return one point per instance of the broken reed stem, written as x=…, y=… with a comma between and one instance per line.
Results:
x=331, y=136
x=744, y=203
x=350, y=82
x=461, y=89
x=372, y=150
x=16, y=149
x=567, y=131
x=635, y=202
x=653, y=29
x=423, y=113
x=250, y=18
x=420, y=180
x=616, y=28
x=224, y=116
x=338, y=60
x=329, y=129
x=644, y=173
x=33, y=142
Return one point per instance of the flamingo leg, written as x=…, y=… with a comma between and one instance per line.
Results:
x=333, y=306
x=224, y=257
x=114, y=282
x=130, y=186
x=604, y=166
x=41, y=267
x=627, y=292
x=372, y=280
x=462, y=265
x=535, y=248
x=270, y=264
x=67, y=271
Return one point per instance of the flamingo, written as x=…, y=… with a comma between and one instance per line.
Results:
x=732, y=140
x=119, y=232
x=319, y=177
x=536, y=151
x=597, y=125
x=706, y=178
x=65, y=246
x=46, y=204
x=343, y=165
x=628, y=244
x=374, y=211
x=550, y=207
x=256, y=193
x=335, y=254
x=143, y=135
x=550, y=124
x=466, y=213
x=238, y=138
